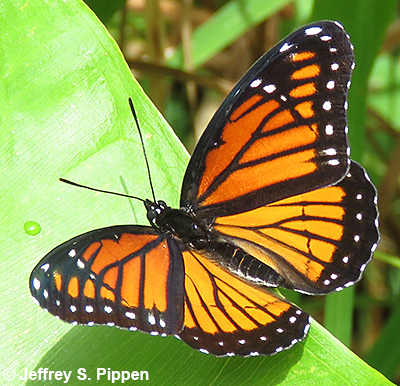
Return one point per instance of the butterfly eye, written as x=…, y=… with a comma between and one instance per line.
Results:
x=154, y=210
x=152, y=215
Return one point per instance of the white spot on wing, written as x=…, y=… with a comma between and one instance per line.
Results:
x=72, y=253
x=312, y=31
x=36, y=283
x=255, y=83
x=151, y=319
x=330, y=85
x=333, y=162
x=269, y=88
x=331, y=151
x=130, y=315
x=338, y=289
x=339, y=24
x=89, y=309
x=335, y=66
x=328, y=129
x=285, y=47
x=45, y=267
x=327, y=105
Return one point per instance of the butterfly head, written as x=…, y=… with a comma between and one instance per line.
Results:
x=155, y=210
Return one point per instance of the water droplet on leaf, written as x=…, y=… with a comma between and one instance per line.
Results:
x=32, y=228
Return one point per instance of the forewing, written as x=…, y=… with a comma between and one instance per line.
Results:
x=127, y=276
x=319, y=242
x=227, y=316
x=282, y=130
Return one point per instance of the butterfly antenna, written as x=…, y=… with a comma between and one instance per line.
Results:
x=100, y=190
x=144, y=149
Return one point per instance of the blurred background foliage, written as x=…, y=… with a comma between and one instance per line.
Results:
x=188, y=54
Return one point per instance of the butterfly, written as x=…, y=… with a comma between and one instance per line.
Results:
x=270, y=199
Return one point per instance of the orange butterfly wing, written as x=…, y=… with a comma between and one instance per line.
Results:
x=133, y=277
x=282, y=131
x=319, y=242
x=126, y=276
x=228, y=316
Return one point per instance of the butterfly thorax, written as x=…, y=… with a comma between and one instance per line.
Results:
x=190, y=231
x=186, y=228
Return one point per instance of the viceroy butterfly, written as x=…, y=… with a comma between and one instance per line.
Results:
x=270, y=198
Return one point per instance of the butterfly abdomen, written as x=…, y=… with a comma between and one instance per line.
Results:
x=243, y=265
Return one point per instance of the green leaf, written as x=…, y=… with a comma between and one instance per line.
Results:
x=64, y=95
x=321, y=360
